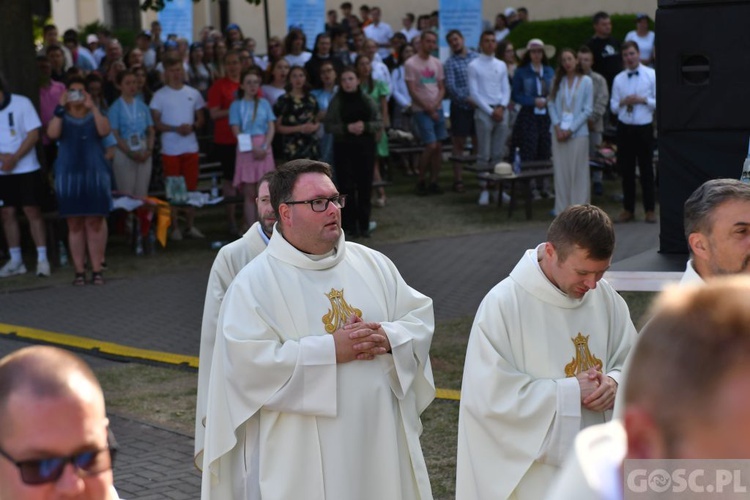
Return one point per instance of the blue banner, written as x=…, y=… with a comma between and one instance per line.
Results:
x=177, y=18
x=464, y=16
x=307, y=15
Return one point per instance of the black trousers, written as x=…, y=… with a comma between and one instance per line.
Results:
x=354, y=163
x=636, y=142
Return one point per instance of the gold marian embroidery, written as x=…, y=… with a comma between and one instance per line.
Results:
x=583, y=359
x=339, y=312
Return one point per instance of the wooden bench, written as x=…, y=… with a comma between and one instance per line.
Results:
x=410, y=153
x=529, y=170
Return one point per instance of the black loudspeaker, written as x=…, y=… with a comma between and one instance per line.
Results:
x=703, y=102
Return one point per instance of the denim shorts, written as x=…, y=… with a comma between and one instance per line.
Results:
x=429, y=130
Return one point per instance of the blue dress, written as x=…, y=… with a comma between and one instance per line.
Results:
x=82, y=174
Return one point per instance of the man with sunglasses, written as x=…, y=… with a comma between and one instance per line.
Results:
x=54, y=438
x=320, y=369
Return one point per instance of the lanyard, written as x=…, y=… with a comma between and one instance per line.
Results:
x=569, y=93
x=539, y=79
x=245, y=109
x=132, y=112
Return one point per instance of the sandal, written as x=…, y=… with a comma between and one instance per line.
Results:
x=458, y=187
x=80, y=279
x=97, y=278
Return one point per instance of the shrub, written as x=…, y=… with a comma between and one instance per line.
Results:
x=126, y=37
x=570, y=32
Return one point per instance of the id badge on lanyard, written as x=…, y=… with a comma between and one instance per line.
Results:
x=566, y=122
x=134, y=140
x=539, y=91
x=245, y=141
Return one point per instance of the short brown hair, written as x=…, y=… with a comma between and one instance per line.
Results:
x=170, y=61
x=282, y=183
x=629, y=44
x=42, y=371
x=696, y=336
x=584, y=226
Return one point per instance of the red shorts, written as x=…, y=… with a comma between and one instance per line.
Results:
x=184, y=165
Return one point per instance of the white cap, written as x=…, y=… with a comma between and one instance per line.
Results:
x=92, y=38
x=510, y=11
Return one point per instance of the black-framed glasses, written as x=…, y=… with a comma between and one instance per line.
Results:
x=321, y=204
x=47, y=470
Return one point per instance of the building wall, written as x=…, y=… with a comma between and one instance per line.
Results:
x=75, y=13
x=250, y=17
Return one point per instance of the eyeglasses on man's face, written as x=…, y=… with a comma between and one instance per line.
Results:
x=48, y=470
x=321, y=204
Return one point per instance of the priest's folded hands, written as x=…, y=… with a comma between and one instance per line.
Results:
x=597, y=390
x=359, y=340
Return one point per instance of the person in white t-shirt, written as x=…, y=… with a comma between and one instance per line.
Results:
x=295, y=52
x=21, y=183
x=177, y=110
x=644, y=37
x=380, y=32
x=409, y=30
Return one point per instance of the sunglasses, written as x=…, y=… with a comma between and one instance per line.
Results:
x=48, y=470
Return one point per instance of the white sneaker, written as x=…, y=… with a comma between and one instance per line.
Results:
x=194, y=232
x=484, y=198
x=42, y=268
x=176, y=234
x=12, y=269
x=372, y=226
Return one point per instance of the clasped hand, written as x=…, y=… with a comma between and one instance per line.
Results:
x=597, y=390
x=562, y=135
x=356, y=128
x=633, y=99
x=358, y=340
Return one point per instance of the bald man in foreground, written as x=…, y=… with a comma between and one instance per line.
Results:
x=54, y=437
x=684, y=397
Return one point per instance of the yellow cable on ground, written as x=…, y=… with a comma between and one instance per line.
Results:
x=84, y=343
x=87, y=344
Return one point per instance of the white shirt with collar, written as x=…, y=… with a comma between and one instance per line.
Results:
x=640, y=81
x=382, y=34
x=488, y=83
x=410, y=33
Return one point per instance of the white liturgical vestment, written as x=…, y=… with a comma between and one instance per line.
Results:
x=285, y=421
x=593, y=470
x=520, y=401
x=229, y=261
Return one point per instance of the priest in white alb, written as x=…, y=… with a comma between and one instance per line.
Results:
x=229, y=261
x=544, y=359
x=321, y=367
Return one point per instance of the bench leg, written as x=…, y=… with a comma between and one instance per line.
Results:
x=512, y=203
x=529, y=199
